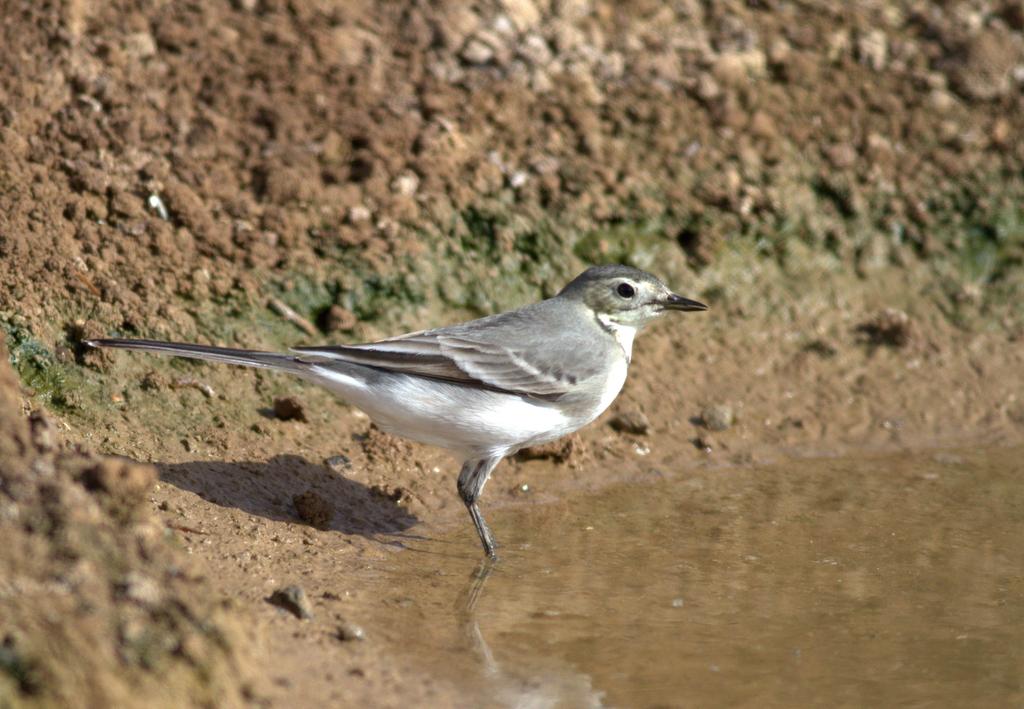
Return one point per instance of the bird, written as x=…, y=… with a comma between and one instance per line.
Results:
x=486, y=388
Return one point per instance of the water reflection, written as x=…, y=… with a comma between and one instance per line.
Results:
x=532, y=682
x=883, y=581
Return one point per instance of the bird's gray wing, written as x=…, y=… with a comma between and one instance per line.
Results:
x=531, y=351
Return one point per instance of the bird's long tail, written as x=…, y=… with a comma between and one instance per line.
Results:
x=244, y=358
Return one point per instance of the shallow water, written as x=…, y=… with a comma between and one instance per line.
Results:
x=882, y=581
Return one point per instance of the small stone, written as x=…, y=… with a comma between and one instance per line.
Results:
x=347, y=631
x=358, y=214
x=406, y=184
x=292, y=599
x=289, y=408
x=313, y=509
x=704, y=444
x=337, y=318
x=717, y=417
x=503, y=26
x=338, y=462
x=632, y=421
x=477, y=52
x=517, y=179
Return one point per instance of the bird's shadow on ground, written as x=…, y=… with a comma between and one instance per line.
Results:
x=268, y=489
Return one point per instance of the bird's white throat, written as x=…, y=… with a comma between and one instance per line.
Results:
x=623, y=334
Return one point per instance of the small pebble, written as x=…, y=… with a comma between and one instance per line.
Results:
x=476, y=52
x=348, y=631
x=632, y=421
x=292, y=599
x=358, y=214
x=717, y=417
x=338, y=462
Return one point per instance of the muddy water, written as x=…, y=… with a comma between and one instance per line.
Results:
x=887, y=581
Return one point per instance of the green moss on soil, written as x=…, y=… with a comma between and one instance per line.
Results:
x=51, y=381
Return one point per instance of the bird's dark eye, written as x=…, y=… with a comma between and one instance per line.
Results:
x=626, y=290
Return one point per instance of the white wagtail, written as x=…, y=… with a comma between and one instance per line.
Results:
x=487, y=388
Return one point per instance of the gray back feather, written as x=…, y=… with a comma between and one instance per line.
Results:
x=547, y=350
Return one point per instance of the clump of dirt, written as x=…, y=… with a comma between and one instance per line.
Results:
x=313, y=509
x=98, y=605
x=889, y=326
x=379, y=447
x=289, y=408
x=571, y=450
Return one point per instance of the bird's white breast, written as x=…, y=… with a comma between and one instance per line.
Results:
x=613, y=385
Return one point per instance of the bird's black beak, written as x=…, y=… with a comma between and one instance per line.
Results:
x=678, y=302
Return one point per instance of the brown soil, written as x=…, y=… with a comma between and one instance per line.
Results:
x=100, y=606
x=841, y=184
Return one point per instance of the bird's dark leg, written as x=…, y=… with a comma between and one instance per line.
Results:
x=472, y=478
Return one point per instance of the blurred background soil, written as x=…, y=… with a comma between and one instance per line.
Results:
x=841, y=182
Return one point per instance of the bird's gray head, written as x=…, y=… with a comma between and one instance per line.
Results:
x=626, y=296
